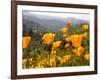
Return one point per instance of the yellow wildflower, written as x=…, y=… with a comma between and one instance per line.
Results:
x=76, y=40
x=87, y=56
x=85, y=26
x=67, y=39
x=48, y=38
x=64, y=35
x=53, y=62
x=56, y=45
x=30, y=61
x=26, y=41
x=79, y=51
x=64, y=30
x=39, y=66
x=53, y=52
x=74, y=50
x=85, y=34
x=24, y=61
x=61, y=61
x=67, y=45
x=43, y=61
x=59, y=58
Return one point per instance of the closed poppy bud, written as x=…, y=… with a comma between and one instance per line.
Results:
x=68, y=24
x=26, y=41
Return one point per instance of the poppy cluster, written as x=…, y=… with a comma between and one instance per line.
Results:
x=72, y=48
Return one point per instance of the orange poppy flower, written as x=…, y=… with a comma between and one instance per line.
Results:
x=48, y=38
x=26, y=41
x=76, y=40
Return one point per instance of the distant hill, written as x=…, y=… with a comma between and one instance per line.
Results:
x=42, y=23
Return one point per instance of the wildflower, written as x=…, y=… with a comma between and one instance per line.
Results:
x=47, y=62
x=39, y=66
x=64, y=35
x=76, y=40
x=64, y=30
x=67, y=45
x=85, y=26
x=87, y=56
x=53, y=62
x=24, y=61
x=60, y=60
x=30, y=61
x=85, y=34
x=66, y=58
x=26, y=41
x=67, y=39
x=48, y=38
x=79, y=51
x=53, y=52
x=43, y=61
x=74, y=50
x=56, y=45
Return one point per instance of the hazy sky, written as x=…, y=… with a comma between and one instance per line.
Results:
x=64, y=15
